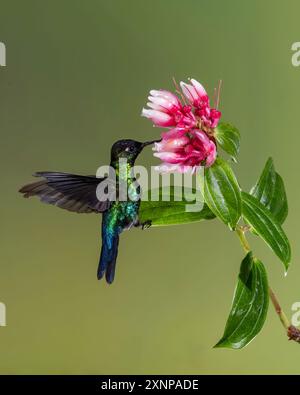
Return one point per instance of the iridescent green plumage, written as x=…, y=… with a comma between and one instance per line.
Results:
x=122, y=214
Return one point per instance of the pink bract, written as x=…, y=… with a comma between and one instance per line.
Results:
x=189, y=144
x=182, y=151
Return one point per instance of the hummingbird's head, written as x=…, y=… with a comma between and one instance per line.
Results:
x=128, y=149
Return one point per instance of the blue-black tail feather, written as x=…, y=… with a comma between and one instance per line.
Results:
x=111, y=267
x=108, y=257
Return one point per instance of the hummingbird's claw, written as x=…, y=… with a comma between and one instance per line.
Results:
x=146, y=224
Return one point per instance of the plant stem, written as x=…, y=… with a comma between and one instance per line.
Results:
x=241, y=233
x=283, y=318
x=292, y=332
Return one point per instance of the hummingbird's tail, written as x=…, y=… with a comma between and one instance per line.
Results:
x=108, y=257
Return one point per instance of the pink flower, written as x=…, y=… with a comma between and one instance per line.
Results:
x=166, y=110
x=182, y=151
x=190, y=143
x=197, y=96
x=195, y=93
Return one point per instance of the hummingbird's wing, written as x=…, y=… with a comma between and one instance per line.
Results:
x=69, y=191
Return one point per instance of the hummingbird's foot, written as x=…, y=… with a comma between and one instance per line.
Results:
x=146, y=224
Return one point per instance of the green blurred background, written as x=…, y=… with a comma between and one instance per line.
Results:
x=77, y=76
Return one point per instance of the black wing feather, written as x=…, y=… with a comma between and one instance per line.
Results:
x=68, y=191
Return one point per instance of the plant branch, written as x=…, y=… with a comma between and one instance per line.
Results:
x=283, y=318
x=292, y=332
x=245, y=244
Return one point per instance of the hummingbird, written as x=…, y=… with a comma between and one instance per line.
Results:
x=78, y=194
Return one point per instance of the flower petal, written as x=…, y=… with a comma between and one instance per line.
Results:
x=169, y=157
x=199, y=88
x=158, y=117
x=215, y=116
x=163, y=103
x=189, y=92
x=203, y=138
x=154, y=106
x=167, y=168
x=171, y=144
x=174, y=133
x=212, y=155
x=175, y=168
x=166, y=95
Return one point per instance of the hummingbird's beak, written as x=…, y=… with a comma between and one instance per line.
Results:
x=150, y=142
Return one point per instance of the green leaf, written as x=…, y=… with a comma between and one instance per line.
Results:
x=270, y=191
x=267, y=227
x=175, y=211
x=222, y=192
x=249, y=307
x=228, y=138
